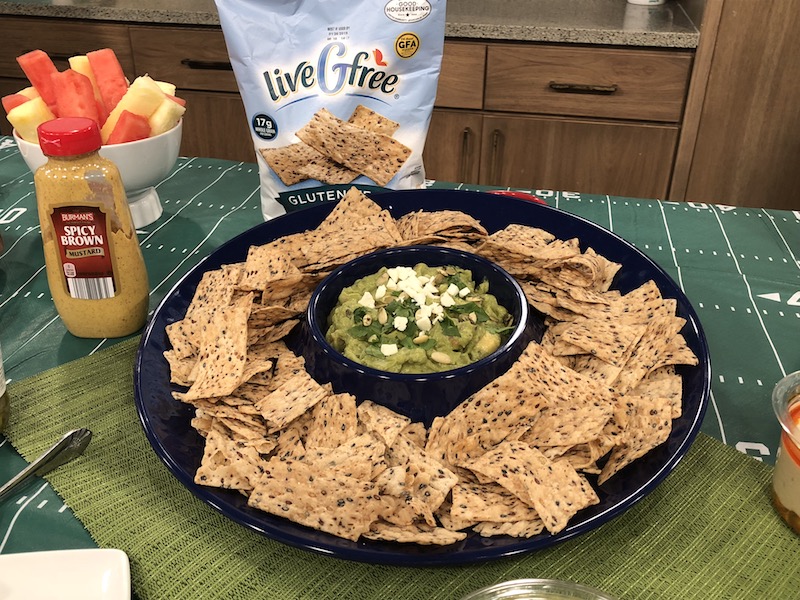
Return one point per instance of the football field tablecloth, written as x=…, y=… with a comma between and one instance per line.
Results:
x=738, y=266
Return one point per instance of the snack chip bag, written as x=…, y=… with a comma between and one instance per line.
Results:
x=337, y=92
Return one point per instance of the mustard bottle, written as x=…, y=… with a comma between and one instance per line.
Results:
x=95, y=268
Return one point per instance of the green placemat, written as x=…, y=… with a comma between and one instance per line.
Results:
x=708, y=531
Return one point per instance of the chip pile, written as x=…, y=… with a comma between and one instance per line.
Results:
x=600, y=391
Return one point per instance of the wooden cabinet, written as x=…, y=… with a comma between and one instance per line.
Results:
x=594, y=120
x=453, y=146
x=741, y=144
x=196, y=61
x=580, y=155
x=612, y=83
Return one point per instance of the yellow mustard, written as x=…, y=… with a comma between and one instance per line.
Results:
x=95, y=268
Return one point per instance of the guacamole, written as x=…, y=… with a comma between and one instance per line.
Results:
x=418, y=319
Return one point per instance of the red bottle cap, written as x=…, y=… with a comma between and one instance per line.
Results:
x=69, y=136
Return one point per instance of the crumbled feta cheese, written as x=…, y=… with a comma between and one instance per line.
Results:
x=380, y=292
x=388, y=349
x=367, y=301
x=424, y=324
x=463, y=292
x=400, y=323
x=452, y=289
x=447, y=300
x=425, y=310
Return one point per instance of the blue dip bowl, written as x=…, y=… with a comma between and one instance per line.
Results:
x=425, y=396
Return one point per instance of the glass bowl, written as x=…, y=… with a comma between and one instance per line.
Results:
x=538, y=589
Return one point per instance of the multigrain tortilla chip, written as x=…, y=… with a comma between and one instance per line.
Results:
x=648, y=428
x=442, y=225
x=334, y=421
x=215, y=289
x=506, y=405
x=519, y=529
x=418, y=533
x=366, y=118
x=427, y=481
x=578, y=407
x=375, y=155
x=220, y=366
x=361, y=456
x=555, y=490
x=268, y=265
x=343, y=506
x=383, y=422
x=610, y=341
x=489, y=502
x=228, y=464
x=291, y=399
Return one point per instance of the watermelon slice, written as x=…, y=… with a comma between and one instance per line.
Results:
x=75, y=95
x=80, y=63
x=12, y=101
x=39, y=70
x=129, y=128
x=109, y=76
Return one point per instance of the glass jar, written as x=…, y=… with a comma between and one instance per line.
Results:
x=538, y=589
x=95, y=268
x=786, y=476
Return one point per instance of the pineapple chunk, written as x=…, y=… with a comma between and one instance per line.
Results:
x=28, y=116
x=166, y=116
x=142, y=98
x=167, y=87
x=29, y=92
x=80, y=63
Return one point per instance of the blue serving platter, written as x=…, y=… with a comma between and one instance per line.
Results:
x=167, y=422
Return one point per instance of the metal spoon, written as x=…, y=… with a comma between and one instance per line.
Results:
x=64, y=450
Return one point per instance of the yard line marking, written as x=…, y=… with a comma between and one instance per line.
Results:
x=16, y=515
x=208, y=235
x=749, y=292
x=671, y=246
x=35, y=335
x=191, y=200
x=720, y=424
x=610, y=219
x=783, y=239
x=15, y=293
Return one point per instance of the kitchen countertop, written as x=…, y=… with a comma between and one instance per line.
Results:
x=613, y=22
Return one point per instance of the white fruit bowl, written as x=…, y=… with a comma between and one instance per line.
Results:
x=142, y=164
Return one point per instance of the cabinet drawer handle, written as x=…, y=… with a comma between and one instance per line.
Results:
x=494, y=158
x=466, y=136
x=583, y=88
x=207, y=65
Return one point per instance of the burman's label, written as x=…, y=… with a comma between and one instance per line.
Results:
x=84, y=251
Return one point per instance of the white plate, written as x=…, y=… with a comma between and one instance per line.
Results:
x=66, y=574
